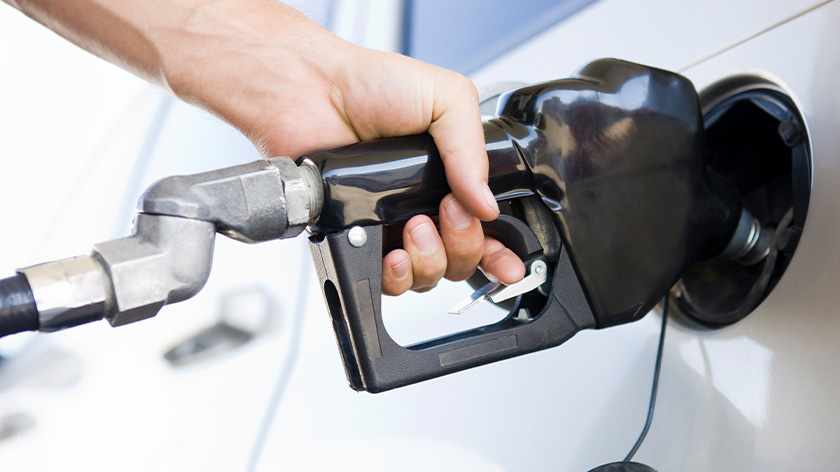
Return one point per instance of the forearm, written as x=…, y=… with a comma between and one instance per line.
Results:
x=208, y=52
x=123, y=32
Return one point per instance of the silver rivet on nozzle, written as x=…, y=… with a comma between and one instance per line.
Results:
x=357, y=236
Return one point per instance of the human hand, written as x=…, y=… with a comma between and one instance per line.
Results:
x=314, y=91
x=292, y=88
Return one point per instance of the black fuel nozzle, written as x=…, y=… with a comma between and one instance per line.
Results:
x=619, y=154
x=606, y=169
x=602, y=178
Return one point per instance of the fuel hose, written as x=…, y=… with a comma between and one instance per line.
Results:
x=18, y=312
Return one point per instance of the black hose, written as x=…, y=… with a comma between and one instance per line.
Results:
x=656, y=369
x=18, y=312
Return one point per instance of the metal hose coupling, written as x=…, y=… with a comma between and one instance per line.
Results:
x=258, y=201
x=168, y=256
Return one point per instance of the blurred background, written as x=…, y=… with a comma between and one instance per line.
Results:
x=80, y=140
x=246, y=375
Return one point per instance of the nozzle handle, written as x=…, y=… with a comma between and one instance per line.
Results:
x=389, y=180
x=374, y=362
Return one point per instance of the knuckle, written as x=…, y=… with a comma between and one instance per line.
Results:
x=467, y=256
x=458, y=275
x=391, y=291
x=425, y=273
x=467, y=86
x=424, y=288
x=462, y=266
x=393, y=287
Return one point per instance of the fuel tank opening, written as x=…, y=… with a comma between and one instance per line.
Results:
x=756, y=139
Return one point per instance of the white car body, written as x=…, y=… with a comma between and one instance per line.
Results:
x=80, y=140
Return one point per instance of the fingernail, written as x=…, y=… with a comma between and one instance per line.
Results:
x=458, y=216
x=400, y=270
x=424, y=238
x=491, y=199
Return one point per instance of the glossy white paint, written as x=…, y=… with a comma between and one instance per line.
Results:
x=781, y=362
x=671, y=35
x=757, y=396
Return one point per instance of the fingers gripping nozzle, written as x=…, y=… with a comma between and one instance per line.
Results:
x=614, y=164
x=604, y=175
x=168, y=257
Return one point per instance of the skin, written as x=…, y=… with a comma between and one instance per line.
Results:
x=292, y=87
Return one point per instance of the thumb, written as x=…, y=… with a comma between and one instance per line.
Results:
x=459, y=136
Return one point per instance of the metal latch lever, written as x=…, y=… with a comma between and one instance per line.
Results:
x=498, y=292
